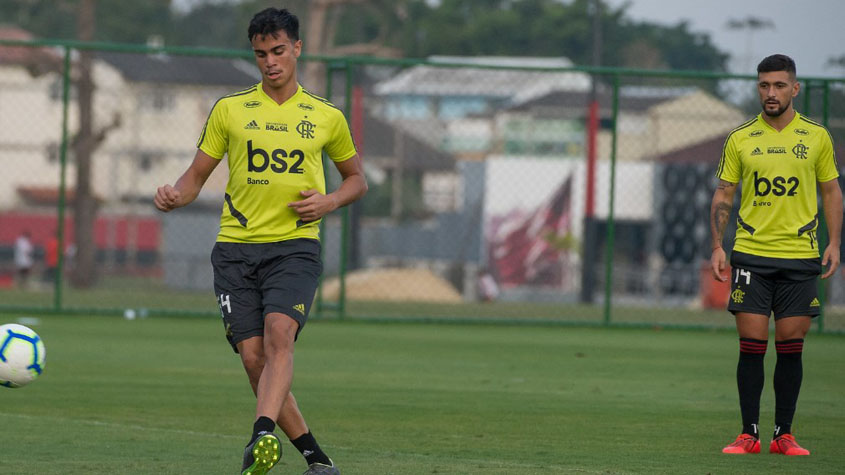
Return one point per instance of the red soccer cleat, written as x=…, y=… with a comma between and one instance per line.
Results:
x=744, y=444
x=786, y=445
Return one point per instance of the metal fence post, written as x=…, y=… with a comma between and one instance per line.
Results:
x=608, y=253
x=822, y=229
x=59, y=277
x=823, y=224
x=331, y=67
x=344, y=227
x=320, y=303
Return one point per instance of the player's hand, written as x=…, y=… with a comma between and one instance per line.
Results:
x=167, y=198
x=314, y=206
x=831, y=256
x=717, y=264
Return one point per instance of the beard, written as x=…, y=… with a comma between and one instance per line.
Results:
x=778, y=112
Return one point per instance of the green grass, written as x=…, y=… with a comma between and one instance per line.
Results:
x=167, y=396
x=114, y=293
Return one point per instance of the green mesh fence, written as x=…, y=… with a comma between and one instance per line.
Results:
x=483, y=203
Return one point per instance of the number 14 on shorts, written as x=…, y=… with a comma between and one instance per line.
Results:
x=739, y=273
x=224, y=301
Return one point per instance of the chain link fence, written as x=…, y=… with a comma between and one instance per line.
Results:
x=507, y=189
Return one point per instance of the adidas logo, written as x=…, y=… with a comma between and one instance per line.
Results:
x=756, y=151
x=815, y=302
x=307, y=452
x=252, y=125
x=300, y=307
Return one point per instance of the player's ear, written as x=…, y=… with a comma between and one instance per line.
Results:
x=796, y=88
x=297, y=48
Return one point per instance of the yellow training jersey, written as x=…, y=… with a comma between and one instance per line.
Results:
x=275, y=152
x=778, y=213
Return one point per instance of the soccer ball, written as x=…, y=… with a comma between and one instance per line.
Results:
x=22, y=355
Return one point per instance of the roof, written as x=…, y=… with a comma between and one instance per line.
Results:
x=37, y=60
x=509, y=61
x=163, y=68
x=475, y=81
x=701, y=152
x=48, y=195
x=380, y=142
x=634, y=100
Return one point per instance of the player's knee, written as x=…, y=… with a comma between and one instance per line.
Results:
x=253, y=363
x=791, y=328
x=279, y=332
x=791, y=334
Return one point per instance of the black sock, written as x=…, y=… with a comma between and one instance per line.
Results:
x=262, y=424
x=789, y=371
x=307, y=445
x=749, y=382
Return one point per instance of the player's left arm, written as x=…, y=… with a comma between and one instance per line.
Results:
x=315, y=205
x=832, y=204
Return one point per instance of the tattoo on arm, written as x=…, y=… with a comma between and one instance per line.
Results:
x=721, y=210
x=720, y=218
x=725, y=185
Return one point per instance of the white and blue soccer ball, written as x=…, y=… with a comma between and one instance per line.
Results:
x=22, y=355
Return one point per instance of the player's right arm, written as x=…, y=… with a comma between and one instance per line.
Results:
x=188, y=185
x=720, y=211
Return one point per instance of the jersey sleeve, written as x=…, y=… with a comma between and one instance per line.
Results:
x=340, y=146
x=730, y=168
x=214, y=140
x=826, y=168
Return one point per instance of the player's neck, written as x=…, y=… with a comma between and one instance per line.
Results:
x=780, y=122
x=282, y=93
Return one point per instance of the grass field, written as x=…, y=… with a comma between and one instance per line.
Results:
x=167, y=396
x=117, y=293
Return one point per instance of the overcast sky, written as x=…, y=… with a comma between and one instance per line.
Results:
x=810, y=31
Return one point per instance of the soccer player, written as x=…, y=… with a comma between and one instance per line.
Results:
x=267, y=256
x=780, y=156
x=23, y=258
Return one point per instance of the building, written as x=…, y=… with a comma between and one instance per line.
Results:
x=148, y=110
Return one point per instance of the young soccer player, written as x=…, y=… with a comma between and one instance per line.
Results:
x=267, y=256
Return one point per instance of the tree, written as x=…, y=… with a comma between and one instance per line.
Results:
x=552, y=28
x=369, y=28
x=322, y=27
x=85, y=143
x=116, y=20
x=409, y=28
x=836, y=62
x=84, y=203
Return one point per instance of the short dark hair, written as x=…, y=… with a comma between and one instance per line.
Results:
x=777, y=62
x=270, y=20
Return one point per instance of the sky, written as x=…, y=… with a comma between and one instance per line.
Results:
x=809, y=31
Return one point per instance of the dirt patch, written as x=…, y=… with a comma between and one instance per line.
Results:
x=420, y=285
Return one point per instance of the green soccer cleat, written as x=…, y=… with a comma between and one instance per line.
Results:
x=262, y=454
x=322, y=469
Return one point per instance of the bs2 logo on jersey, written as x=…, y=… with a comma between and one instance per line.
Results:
x=777, y=185
x=259, y=160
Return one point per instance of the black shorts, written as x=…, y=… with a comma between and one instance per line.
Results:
x=766, y=285
x=253, y=280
